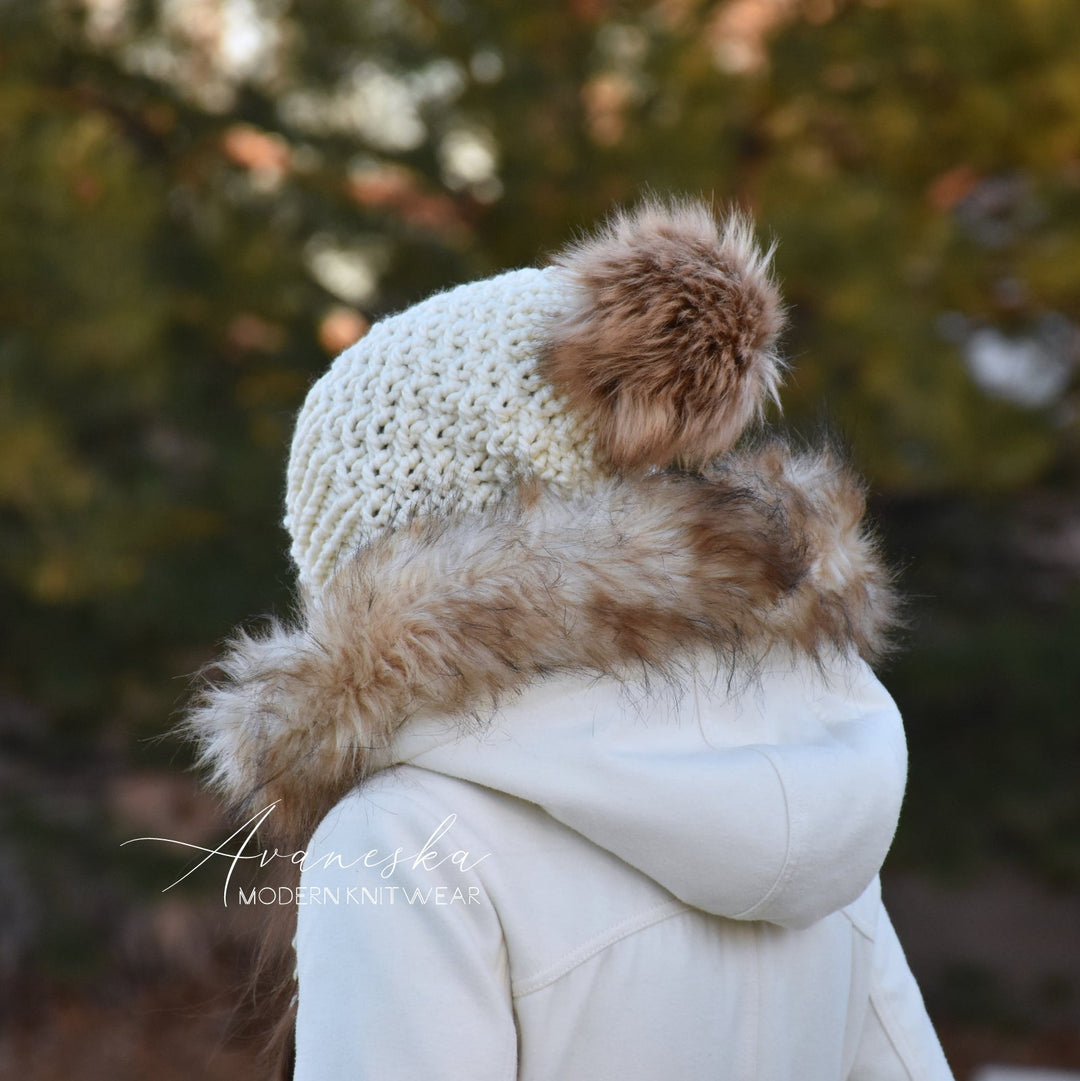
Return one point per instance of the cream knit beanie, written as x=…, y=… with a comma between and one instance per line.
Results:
x=646, y=345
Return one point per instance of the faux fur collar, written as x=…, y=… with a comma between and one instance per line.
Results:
x=767, y=549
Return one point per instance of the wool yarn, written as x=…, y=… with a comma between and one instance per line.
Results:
x=439, y=407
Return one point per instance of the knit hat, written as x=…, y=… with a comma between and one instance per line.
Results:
x=648, y=344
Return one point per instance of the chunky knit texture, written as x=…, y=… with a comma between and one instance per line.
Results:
x=440, y=407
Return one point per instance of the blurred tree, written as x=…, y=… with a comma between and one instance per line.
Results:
x=201, y=199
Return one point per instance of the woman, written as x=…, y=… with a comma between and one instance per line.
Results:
x=577, y=728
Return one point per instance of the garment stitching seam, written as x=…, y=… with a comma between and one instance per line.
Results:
x=893, y=1034
x=597, y=945
x=787, y=868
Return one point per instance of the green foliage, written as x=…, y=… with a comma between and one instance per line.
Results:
x=181, y=233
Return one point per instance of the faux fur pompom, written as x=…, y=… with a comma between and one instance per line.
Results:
x=670, y=352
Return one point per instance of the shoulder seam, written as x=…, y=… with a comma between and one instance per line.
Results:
x=590, y=948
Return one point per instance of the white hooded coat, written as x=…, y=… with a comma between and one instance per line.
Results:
x=609, y=882
x=592, y=776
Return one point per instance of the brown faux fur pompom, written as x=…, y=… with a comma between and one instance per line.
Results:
x=670, y=352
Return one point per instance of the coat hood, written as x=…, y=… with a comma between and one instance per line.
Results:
x=765, y=552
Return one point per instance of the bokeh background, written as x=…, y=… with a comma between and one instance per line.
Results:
x=202, y=201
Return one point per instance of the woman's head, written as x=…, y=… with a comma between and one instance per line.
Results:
x=648, y=344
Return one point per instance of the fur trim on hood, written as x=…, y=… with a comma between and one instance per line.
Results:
x=766, y=549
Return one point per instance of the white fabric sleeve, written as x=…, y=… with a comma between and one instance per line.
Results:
x=898, y=1041
x=406, y=976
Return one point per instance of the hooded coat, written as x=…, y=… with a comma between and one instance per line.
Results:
x=592, y=784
